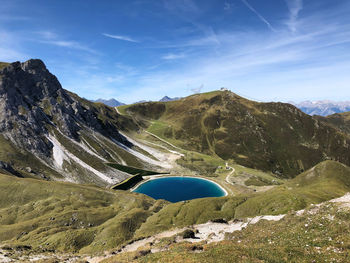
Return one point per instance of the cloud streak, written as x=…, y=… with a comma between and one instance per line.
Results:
x=10, y=49
x=69, y=44
x=119, y=37
x=51, y=38
x=294, y=6
x=292, y=65
x=182, y=7
x=172, y=56
x=263, y=19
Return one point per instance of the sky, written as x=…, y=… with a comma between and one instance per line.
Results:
x=275, y=50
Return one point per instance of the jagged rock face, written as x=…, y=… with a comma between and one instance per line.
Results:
x=21, y=91
x=59, y=135
x=32, y=101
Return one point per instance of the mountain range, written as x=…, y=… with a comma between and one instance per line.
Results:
x=115, y=103
x=110, y=102
x=62, y=156
x=166, y=98
x=324, y=107
x=321, y=108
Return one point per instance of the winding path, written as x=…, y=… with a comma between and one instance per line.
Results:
x=172, y=145
x=152, y=134
x=228, y=176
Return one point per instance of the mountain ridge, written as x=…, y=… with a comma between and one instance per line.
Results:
x=323, y=107
x=58, y=134
x=109, y=102
x=166, y=98
x=253, y=134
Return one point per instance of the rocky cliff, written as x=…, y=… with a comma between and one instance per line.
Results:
x=60, y=134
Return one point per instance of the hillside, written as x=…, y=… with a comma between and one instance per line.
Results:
x=48, y=132
x=319, y=233
x=339, y=121
x=56, y=216
x=323, y=182
x=273, y=137
x=3, y=65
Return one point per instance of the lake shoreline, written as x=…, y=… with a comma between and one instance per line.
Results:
x=154, y=177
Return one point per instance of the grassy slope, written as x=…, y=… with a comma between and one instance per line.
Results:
x=253, y=134
x=339, y=120
x=327, y=180
x=3, y=65
x=312, y=237
x=21, y=159
x=68, y=217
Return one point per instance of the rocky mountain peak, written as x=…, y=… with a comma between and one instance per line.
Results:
x=32, y=102
x=30, y=79
x=34, y=66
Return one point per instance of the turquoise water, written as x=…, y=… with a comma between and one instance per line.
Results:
x=175, y=189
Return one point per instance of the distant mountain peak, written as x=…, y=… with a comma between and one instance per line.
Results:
x=111, y=102
x=166, y=98
x=323, y=107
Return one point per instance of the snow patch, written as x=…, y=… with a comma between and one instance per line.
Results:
x=143, y=157
x=60, y=154
x=84, y=147
x=107, y=147
x=88, y=167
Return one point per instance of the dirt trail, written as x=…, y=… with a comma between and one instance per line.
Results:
x=228, y=176
x=172, y=145
x=211, y=231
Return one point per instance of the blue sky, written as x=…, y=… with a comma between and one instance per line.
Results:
x=286, y=50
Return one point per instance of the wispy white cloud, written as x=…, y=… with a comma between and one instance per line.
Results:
x=69, y=44
x=172, y=56
x=52, y=38
x=46, y=34
x=8, y=54
x=228, y=6
x=182, y=6
x=292, y=65
x=206, y=37
x=294, y=6
x=263, y=19
x=126, y=69
x=10, y=47
x=198, y=89
x=119, y=37
x=9, y=18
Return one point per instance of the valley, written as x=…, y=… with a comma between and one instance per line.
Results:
x=68, y=167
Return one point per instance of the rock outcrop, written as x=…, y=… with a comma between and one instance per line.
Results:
x=61, y=130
